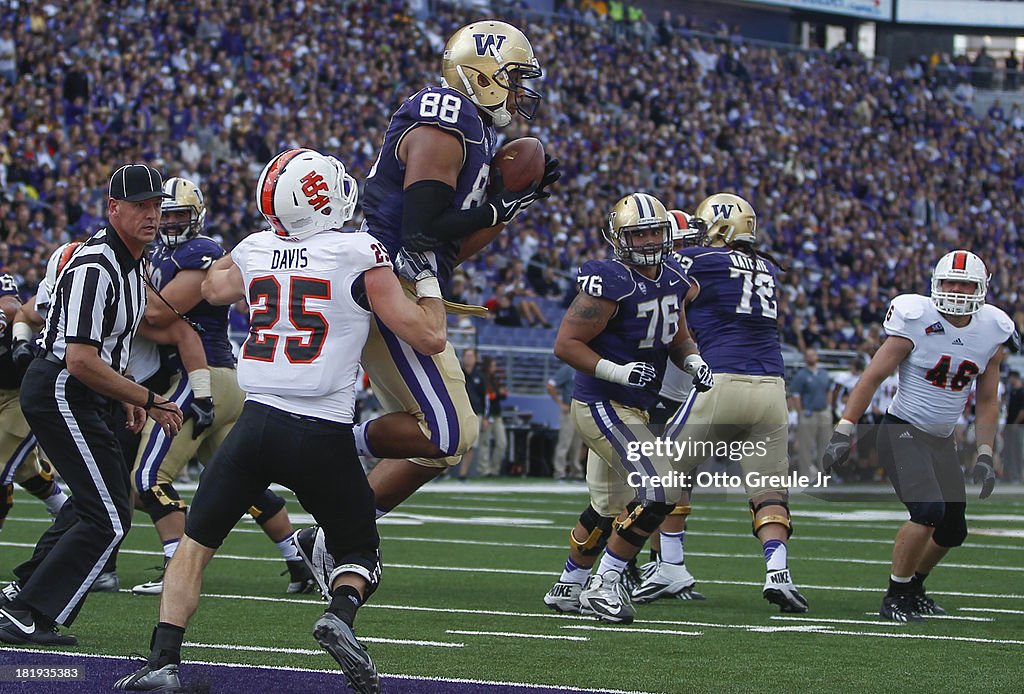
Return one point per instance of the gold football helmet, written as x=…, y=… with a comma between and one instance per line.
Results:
x=488, y=60
x=185, y=195
x=730, y=220
x=633, y=215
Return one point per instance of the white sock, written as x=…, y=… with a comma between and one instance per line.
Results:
x=361, y=434
x=574, y=573
x=287, y=549
x=55, y=500
x=611, y=562
x=901, y=579
x=775, y=555
x=169, y=548
x=672, y=547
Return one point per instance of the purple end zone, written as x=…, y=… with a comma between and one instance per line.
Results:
x=100, y=673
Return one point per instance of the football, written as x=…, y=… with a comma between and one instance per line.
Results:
x=521, y=163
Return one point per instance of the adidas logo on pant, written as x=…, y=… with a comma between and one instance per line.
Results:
x=906, y=435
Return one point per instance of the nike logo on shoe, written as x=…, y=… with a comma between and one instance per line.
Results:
x=606, y=606
x=25, y=628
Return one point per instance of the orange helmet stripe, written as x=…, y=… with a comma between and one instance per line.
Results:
x=960, y=260
x=270, y=185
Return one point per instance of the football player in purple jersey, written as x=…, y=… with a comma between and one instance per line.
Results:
x=619, y=333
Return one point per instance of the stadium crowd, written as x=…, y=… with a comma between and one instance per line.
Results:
x=860, y=177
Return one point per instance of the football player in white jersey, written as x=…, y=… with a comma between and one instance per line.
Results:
x=312, y=291
x=942, y=345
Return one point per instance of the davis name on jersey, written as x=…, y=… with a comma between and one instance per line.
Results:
x=735, y=315
x=455, y=114
x=287, y=361
x=935, y=379
x=641, y=330
x=197, y=253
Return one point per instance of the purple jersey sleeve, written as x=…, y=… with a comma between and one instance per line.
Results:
x=198, y=254
x=8, y=287
x=605, y=279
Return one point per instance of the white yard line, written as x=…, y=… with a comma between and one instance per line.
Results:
x=512, y=634
x=313, y=651
x=837, y=621
x=950, y=617
x=989, y=609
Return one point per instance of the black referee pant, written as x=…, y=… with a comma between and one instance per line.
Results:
x=72, y=424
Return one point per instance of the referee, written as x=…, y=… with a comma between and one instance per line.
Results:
x=70, y=398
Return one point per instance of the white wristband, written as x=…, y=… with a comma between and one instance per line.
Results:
x=428, y=288
x=21, y=331
x=845, y=427
x=692, y=363
x=985, y=449
x=610, y=371
x=200, y=382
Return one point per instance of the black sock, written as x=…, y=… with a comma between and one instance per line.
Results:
x=897, y=588
x=165, y=645
x=918, y=580
x=344, y=602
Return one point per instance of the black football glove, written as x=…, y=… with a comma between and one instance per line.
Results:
x=506, y=203
x=703, y=379
x=22, y=353
x=202, y=415
x=837, y=452
x=982, y=473
x=551, y=174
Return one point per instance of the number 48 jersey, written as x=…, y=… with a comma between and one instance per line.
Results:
x=935, y=379
x=641, y=329
x=734, y=317
x=307, y=329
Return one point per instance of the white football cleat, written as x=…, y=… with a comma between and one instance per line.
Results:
x=564, y=597
x=605, y=597
x=666, y=581
x=780, y=590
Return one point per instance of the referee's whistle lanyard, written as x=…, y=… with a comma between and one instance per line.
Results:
x=148, y=278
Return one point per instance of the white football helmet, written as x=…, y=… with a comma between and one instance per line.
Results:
x=965, y=267
x=488, y=60
x=58, y=259
x=687, y=230
x=635, y=213
x=302, y=192
x=185, y=196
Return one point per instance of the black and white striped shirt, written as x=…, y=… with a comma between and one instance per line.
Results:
x=99, y=299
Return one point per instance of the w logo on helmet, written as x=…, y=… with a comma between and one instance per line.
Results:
x=488, y=44
x=722, y=211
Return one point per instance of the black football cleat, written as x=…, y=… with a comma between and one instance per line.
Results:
x=18, y=627
x=900, y=608
x=146, y=679
x=337, y=638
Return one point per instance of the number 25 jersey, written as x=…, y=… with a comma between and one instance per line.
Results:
x=307, y=330
x=642, y=328
x=936, y=377
x=734, y=317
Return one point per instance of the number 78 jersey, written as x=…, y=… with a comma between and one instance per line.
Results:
x=735, y=314
x=936, y=377
x=306, y=329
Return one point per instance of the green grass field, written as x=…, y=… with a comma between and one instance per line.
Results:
x=466, y=567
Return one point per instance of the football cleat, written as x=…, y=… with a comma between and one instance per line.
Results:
x=337, y=638
x=780, y=590
x=301, y=577
x=9, y=592
x=605, y=597
x=106, y=583
x=146, y=679
x=900, y=608
x=564, y=597
x=18, y=626
x=666, y=581
x=154, y=587
x=924, y=605
x=631, y=578
x=310, y=544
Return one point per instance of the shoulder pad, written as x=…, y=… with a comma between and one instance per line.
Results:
x=1004, y=326
x=904, y=310
x=605, y=279
x=366, y=251
x=446, y=109
x=197, y=254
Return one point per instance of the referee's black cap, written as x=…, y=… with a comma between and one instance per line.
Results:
x=136, y=182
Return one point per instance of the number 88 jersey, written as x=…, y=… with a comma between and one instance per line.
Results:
x=383, y=201
x=935, y=379
x=307, y=327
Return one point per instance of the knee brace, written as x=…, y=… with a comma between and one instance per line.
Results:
x=40, y=485
x=646, y=516
x=683, y=510
x=363, y=563
x=266, y=507
x=952, y=531
x=161, y=501
x=598, y=528
x=928, y=513
x=6, y=501
x=777, y=518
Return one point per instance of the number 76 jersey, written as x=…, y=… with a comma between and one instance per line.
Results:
x=735, y=314
x=935, y=379
x=307, y=326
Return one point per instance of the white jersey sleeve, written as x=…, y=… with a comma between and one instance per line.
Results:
x=935, y=379
x=307, y=330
